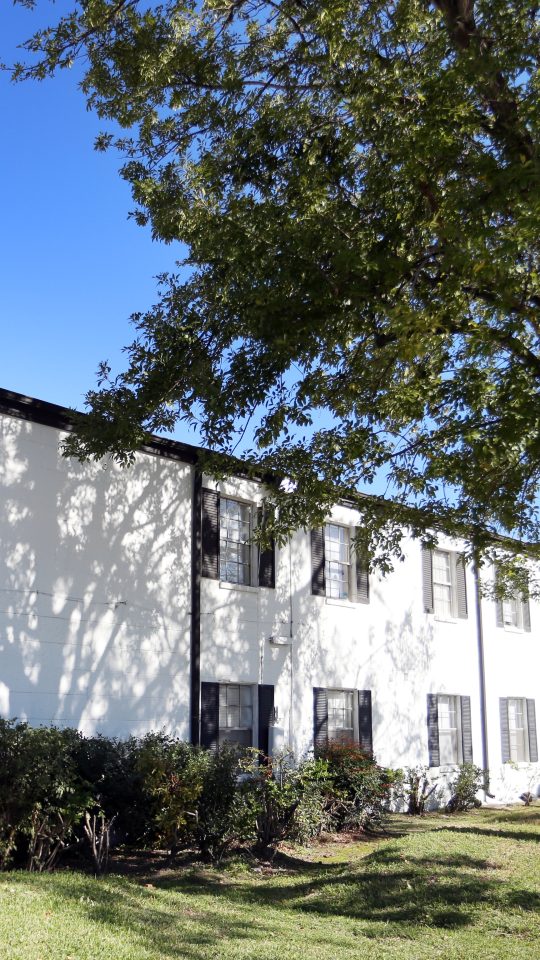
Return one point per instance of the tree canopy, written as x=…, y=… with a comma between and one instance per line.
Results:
x=357, y=186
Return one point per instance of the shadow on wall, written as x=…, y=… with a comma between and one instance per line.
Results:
x=364, y=647
x=94, y=588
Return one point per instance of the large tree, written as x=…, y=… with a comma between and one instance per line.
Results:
x=357, y=186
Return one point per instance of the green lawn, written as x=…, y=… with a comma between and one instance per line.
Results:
x=452, y=887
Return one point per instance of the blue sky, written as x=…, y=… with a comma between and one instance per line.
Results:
x=73, y=267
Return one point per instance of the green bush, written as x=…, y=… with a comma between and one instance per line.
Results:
x=360, y=791
x=42, y=795
x=312, y=815
x=273, y=794
x=464, y=789
x=416, y=789
x=226, y=812
x=110, y=766
x=172, y=776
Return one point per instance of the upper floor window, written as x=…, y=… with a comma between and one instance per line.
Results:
x=337, y=561
x=443, y=593
x=514, y=613
x=444, y=583
x=228, y=550
x=235, y=545
x=337, y=571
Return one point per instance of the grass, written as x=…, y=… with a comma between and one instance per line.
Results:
x=451, y=887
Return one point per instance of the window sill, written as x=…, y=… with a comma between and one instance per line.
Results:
x=509, y=629
x=337, y=602
x=442, y=619
x=241, y=587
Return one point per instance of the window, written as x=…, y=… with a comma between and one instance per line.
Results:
x=236, y=714
x=337, y=561
x=340, y=715
x=227, y=551
x=444, y=584
x=337, y=571
x=513, y=613
x=235, y=548
x=449, y=729
x=517, y=726
x=450, y=747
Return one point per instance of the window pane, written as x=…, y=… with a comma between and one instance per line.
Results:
x=448, y=729
x=235, y=541
x=340, y=715
x=442, y=583
x=336, y=546
x=519, y=736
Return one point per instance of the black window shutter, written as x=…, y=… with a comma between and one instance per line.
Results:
x=267, y=563
x=320, y=719
x=365, y=723
x=209, y=715
x=362, y=579
x=533, y=739
x=433, y=730
x=266, y=711
x=526, y=610
x=318, y=586
x=505, y=729
x=461, y=587
x=210, y=534
x=466, y=729
x=427, y=580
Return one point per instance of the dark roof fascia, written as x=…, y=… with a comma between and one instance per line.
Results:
x=61, y=418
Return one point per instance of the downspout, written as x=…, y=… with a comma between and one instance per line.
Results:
x=196, y=560
x=482, y=680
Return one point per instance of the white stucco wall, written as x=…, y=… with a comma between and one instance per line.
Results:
x=94, y=587
x=95, y=617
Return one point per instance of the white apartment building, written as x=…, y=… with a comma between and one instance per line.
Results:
x=134, y=600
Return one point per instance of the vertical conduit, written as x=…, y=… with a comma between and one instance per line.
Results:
x=195, y=650
x=482, y=680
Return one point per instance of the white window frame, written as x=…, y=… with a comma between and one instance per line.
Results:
x=514, y=731
x=350, y=564
x=354, y=732
x=248, y=545
x=226, y=689
x=441, y=612
x=516, y=621
x=454, y=705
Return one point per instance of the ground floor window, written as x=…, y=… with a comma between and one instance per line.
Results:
x=236, y=714
x=340, y=716
x=518, y=732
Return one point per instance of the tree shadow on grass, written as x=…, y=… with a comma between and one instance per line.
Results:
x=530, y=836
x=438, y=891
x=193, y=914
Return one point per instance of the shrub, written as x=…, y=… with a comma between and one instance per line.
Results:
x=172, y=776
x=42, y=795
x=225, y=811
x=464, y=789
x=417, y=789
x=119, y=794
x=312, y=815
x=272, y=792
x=361, y=789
